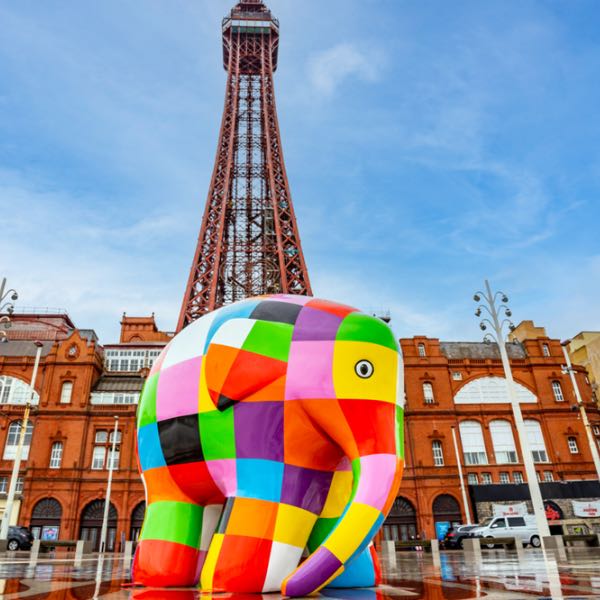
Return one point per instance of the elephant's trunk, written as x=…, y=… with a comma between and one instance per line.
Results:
x=376, y=481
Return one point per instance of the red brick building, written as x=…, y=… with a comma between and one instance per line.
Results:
x=82, y=386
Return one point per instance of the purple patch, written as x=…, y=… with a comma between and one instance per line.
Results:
x=259, y=430
x=315, y=325
x=312, y=574
x=305, y=488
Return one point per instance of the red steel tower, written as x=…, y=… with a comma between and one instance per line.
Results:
x=249, y=243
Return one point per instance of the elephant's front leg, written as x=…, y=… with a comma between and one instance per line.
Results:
x=258, y=543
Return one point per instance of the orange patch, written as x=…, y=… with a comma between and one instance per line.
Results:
x=341, y=310
x=252, y=518
x=270, y=393
x=219, y=361
x=161, y=487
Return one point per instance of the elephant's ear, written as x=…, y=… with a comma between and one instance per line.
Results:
x=236, y=368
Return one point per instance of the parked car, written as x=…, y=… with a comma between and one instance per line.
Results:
x=455, y=535
x=523, y=528
x=19, y=538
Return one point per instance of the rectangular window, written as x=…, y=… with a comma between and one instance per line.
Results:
x=19, y=486
x=66, y=392
x=438, y=453
x=504, y=477
x=558, y=393
x=486, y=478
x=518, y=477
x=516, y=522
x=596, y=430
x=546, y=349
x=548, y=476
x=98, y=458
x=101, y=437
x=56, y=455
x=457, y=376
x=472, y=479
x=428, y=393
x=3, y=485
x=114, y=458
x=112, y=436
x=573, y=448
x=422, y=352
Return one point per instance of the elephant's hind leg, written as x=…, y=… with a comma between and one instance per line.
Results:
x=257, y=545
x=175, y=537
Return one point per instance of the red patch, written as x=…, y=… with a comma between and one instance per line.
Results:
x=373, y=423
x=165, y=564
x=195, y=481
x=341, y=310
x=242, y=565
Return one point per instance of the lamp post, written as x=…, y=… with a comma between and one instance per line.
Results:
x=10, y=498
x=111, y=460
x=494, y=304
x=7, y=306
x=463, y=489
x=584, y=418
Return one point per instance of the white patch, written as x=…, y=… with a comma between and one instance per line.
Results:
x=190, y=342
x=233, y=333
x=283, y=561
x=400, y=393
x=210, y=520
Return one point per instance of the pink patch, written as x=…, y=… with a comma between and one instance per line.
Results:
x=177, y=394
x=309, y=372
x=377, y=473
x=290, y=299
x=224, y=475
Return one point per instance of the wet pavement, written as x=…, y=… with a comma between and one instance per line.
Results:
x=498, y=574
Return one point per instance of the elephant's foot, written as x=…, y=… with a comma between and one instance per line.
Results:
x=257, y=545
x=173, y=544
x=362, y=572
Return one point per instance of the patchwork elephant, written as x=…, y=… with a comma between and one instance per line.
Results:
x=265, y=428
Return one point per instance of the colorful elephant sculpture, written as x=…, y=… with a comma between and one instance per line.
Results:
x=266, y=428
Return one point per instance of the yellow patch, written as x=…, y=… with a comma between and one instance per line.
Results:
x=381, y=385
x=339, y=494
x=205, y=403
x=210, y=564
x=293, y=525
x=351, y=530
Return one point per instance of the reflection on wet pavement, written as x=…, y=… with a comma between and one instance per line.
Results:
x=407, y=575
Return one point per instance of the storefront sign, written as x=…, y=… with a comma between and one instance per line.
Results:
x=510, y=510
x=586, y=509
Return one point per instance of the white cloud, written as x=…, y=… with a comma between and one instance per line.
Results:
x=329, y=69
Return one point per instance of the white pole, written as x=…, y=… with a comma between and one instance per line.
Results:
x=584, y=417
x=532, y=481
x=12, y=488
x=108, y=487
x=462, y=479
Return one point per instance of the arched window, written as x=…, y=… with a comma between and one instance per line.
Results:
x=45, y=519
x=65, y=392
x=535, y=437
x=446, y=508
x=471, y=436
x=56, y=455
x=401, y=523
x=12, y=440
x=428, y=396
x=503, y=442
x=91, y=525
x=558, y=393
x=15, y=391
x=491, y=390
x=438, y=453
x=137, y=520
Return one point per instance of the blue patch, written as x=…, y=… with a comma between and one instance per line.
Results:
x=149, y=450
x=358, y=573
x=259, y=479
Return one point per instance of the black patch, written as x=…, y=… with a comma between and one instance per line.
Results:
x=180, y=440
x=277, y=312
x=225, y=515
x=224, y=403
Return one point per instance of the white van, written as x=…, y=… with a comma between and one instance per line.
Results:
x=518, y=527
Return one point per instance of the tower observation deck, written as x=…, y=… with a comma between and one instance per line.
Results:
x=249, y=243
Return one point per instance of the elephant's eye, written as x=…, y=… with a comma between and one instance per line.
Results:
x=364, y=369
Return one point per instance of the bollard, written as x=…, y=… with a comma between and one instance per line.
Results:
x=556, y=544
x=127, y=552
x=388, y=553
x=435, y=553
x=34, y=552
x=472, y=548
x=519, y=548
x=80, y=550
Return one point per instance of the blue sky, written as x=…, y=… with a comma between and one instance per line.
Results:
x=428, y=144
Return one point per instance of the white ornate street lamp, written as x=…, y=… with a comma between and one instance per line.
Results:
x=6, y=306
x=496, y=307
x=111, y=460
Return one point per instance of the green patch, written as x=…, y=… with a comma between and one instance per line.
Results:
x=177, y=522
x=399, y=432
x=270, y=339
x=146, y=413
x=217, y=435
x=357, y=327
x=320, y=532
